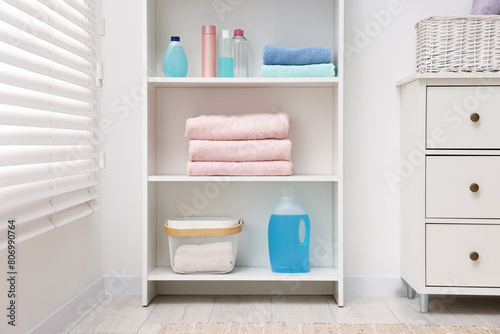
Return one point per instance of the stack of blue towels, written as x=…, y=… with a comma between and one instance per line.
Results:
x=287, y=62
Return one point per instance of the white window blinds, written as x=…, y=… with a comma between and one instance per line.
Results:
x=49, y=114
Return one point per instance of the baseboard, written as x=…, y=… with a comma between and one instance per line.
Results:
x=66, y=315
x=374, y=286
x=122, y=285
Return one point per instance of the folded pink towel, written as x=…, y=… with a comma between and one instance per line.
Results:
x=240, y=150
x=253, y=168
x=272, y=125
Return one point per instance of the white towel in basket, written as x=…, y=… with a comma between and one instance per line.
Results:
x=214, y=257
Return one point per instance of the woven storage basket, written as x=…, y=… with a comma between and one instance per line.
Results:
x=458, y=44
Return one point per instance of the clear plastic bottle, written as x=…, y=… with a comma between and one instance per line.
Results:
x=288, y=247
x=226, y=55
x=175, y=62
x=240, y=44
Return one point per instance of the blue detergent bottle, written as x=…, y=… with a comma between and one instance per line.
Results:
x=175, y=61
x=288, y=247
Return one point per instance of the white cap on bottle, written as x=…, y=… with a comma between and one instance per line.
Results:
x=287, y=194
x=225, y=33
x=287, y=206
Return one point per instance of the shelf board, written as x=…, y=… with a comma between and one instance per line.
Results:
x=256, y=82
x=448, y=75
x=292, y=178
x=317, y=274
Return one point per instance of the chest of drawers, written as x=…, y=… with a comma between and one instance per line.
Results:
x=450, y=185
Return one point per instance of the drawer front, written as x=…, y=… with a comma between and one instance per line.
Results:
x=451, y=190
x=463, y=255
x=449, y=113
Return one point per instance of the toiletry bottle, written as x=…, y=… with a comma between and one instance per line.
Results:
x=208, y=51
x=288, y=237
x=226, y=55
x=240, y=44
x=175, y=62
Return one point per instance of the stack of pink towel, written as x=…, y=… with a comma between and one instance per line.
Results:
x=239, y=145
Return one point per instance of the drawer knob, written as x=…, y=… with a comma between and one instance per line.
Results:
x=474, y=187
x=474, y=117
x=474, y=256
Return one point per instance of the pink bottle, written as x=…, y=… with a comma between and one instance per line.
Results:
x=208, y=50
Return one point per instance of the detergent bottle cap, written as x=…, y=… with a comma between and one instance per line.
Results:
x=287, y=194
x=287, y=205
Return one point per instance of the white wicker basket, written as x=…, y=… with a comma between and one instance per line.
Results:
x=458, y=44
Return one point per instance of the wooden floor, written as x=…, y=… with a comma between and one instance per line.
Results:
x=124, y=314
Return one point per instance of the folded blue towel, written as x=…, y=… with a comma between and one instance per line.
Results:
x=290, y=71
x=279, y=55
x=485, y=7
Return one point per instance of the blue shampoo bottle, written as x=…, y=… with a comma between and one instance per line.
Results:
x=175, y=61
x=288, y=247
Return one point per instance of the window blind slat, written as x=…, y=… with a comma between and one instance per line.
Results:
x=78, y=167
x=14, y=135
x=77, y=182
x=70, y=14
x=26, y=193
x=16, y=37
x=44, y=14
x=69, y=206
x=28, y=230
x=83, y=8
x=28, y=211
x=16, y=175
x=28, y=154
x=76, y=138
x=34, y=228
x=75, y=122
x=28, y=99
x=24, y=79
x=30, y=62
x=22, y=155
x=18, y=116
x=73, y=213
x=39, y=29
x=74, y=198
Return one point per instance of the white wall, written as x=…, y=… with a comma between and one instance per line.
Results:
x=371, y=115
x=52, y=268
x=122, y=114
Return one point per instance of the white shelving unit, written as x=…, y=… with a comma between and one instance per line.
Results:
x=315, y=107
